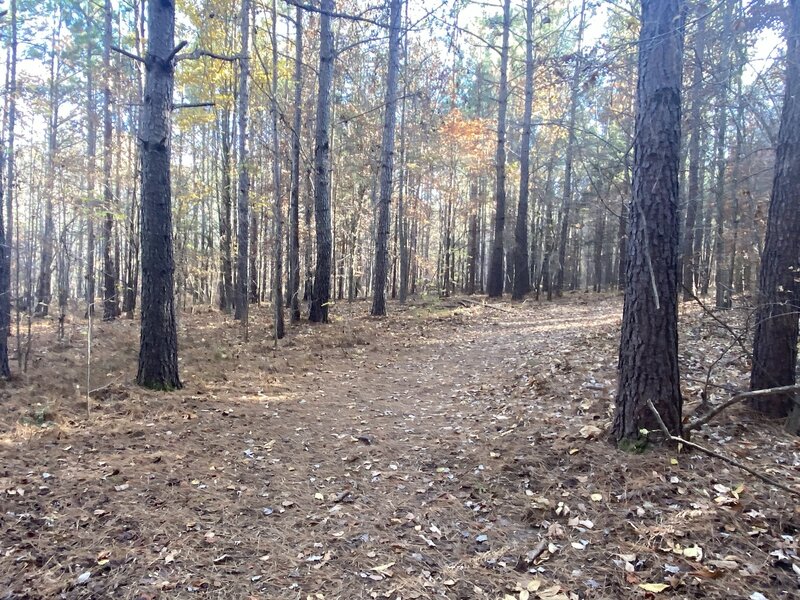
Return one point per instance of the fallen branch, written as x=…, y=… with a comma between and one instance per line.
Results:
x=500, y=308
x=738, y=398
x=723, y=458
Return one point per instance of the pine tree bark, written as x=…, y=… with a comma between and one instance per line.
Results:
x=775, y=342
x=91, y=172
x=44, y=283
x=277, y=270
x=722, y=293
x=226, y=293
x=688, y=262
x=294, y=193
x=243, y=192
x=522, y=273
x=158, y=350
x=387, y=164
x=648, y=354
x=321, y=292
x=110, y=304
x=566, y=204
x=494, y=283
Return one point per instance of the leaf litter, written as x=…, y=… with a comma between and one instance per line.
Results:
x=449, y=451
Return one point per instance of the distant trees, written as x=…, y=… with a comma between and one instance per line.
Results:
x=775, y=343
x=648, y=353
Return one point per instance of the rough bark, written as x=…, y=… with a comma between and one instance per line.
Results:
x=110, y=304
x=277, y=270
x=294, y=193
x=522, y=273
x=243, y=191
x=566, y=203
x=688, y=262
x=494, y=283
x=648, y=354
x=44, y=283
x=158, y=351
x=91, y=173
x=226, y=293
x=775, y=342
x=321, y=292
x=387, y=164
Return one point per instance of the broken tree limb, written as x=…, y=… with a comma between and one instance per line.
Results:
x=128, y=54
x=492, y=306
x=738, y=398
x=679, y=440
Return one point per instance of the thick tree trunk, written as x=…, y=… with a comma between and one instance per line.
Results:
x=775, y=342
x=387, y=164
x=321, y=293
x=522, y=281
x=648, y=355
x=494, y=284
x=294, y=194
x=158, y=351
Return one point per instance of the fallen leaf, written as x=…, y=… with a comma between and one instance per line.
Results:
x=654, y=587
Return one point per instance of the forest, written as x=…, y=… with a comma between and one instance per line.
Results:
x=464, y=299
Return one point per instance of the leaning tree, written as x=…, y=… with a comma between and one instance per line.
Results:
x=648, y=351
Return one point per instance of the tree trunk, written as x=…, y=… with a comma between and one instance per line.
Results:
x=226, y=292
x=494, y=284
x=387, y=164
x=648, y=354
x=775, y=342
x=243, y=195
x=688, y=262
x=321, y=293
x=294, y=194
x=522, y=274
x=110, y=305
x=566, y=204
x=277, y=267
x=91, y=157
x=158, y=351
x=43, y=287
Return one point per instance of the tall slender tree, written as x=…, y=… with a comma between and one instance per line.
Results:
x=321, y=292
x=688, y=263
x=243, y=191
x=110, y=304
x=494, y=283
x=522, y=273
x=294, y=192
x=648, y=352
x=569, y=158
x=277, y=270
x=387, y=164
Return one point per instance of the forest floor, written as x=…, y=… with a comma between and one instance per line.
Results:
x=450, y=450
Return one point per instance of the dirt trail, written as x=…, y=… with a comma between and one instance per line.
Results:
x=421, y=456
